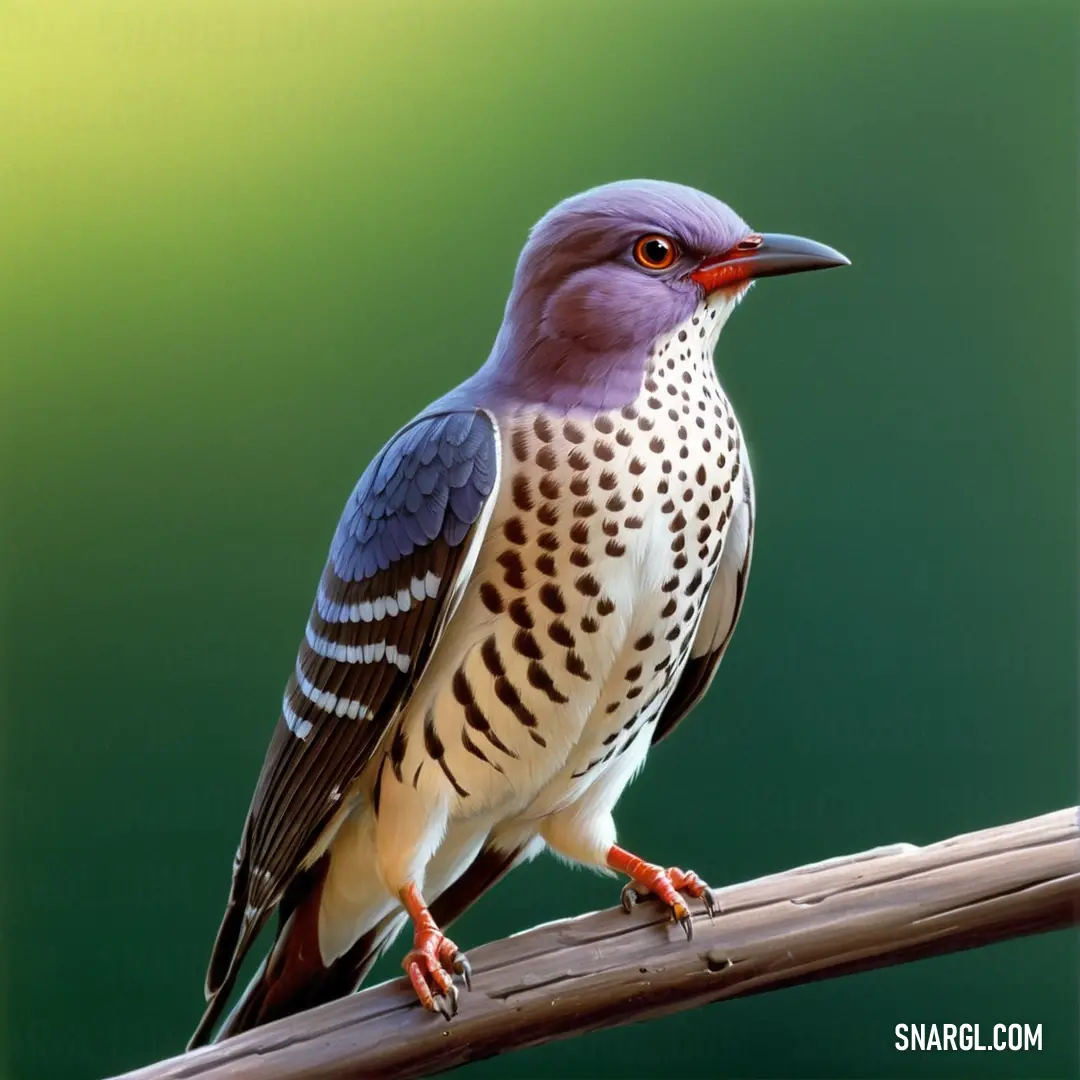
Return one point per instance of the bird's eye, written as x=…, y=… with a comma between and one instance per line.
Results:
x=655, y=252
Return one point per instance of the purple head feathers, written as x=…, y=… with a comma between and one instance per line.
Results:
x=582, y=312
x=585, y=307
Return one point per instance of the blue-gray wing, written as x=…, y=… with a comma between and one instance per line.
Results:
x=402, y=551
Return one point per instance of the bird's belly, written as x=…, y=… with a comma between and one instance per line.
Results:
x=586, y=595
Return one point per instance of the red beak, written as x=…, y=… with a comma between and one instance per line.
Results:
x=765, y=255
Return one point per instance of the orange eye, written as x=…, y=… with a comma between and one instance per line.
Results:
x=655, y=252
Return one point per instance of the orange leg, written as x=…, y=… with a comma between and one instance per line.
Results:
x=664, y=884
x=434, y=959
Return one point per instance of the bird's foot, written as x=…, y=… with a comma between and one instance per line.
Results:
x=665, y=885
x=434, y=959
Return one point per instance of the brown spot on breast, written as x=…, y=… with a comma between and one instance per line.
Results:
x=644, y=643
x=511, y=562
x=667, y=506
x=680, y=560
x=628, y=412
x=603, y=450
x=573, y=433
x=703, y=511
x=633, y=522
x=610, y=527
x=654, y=403
x=634, y=673
x=623, y=437
x=548, y=541
x=579, y=484
x=552, y=598
x=678, y=522
x=548, y=515
x=579, y=532
x=560, y=633
x=636, y=466
x=614, y=549
x=669, y=609
x=473, y=716
x=514, y=531
x=543, y=429
x=519, y=612
x=580, y=557
x=520, y=492
x=633, y=692
x=604, y=606
x=703, y=534
x=546, y=459
x=491, y=598
x=637, y=494
x=587, y=585
x=656, y=444
x=489, y=653
x=613, y=707
x=615, y=503
x=549, y=486
x=694, y=583
x=645, y=423
x=527, y=645
x=589, y=624
x=475, y=750
x=540, y=679
x=699, y=476
x=578, y=460
x=434, y=747
x=671, y=584
x=519, y=442
x=398, y=747
x=678, y=543
x=576, y=666
x=608, y=480
x=603, y=424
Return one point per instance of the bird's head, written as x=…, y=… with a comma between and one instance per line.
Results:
x=607, y=272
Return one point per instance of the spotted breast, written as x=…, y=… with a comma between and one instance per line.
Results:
x=588, y=590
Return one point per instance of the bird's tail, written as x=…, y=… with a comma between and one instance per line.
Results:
x=293, y=976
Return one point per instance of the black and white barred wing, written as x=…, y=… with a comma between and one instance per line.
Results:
x=401, y=555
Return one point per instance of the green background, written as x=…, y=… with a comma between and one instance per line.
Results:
x=215, y=222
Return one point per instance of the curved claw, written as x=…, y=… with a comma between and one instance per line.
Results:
x=629, y=897
x=681, y=915
x=711, y=906
x=445, y=1006
x=463, y=968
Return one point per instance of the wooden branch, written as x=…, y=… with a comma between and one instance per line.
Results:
x=887, y=906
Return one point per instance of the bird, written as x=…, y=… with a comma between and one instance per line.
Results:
x=531, y=584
